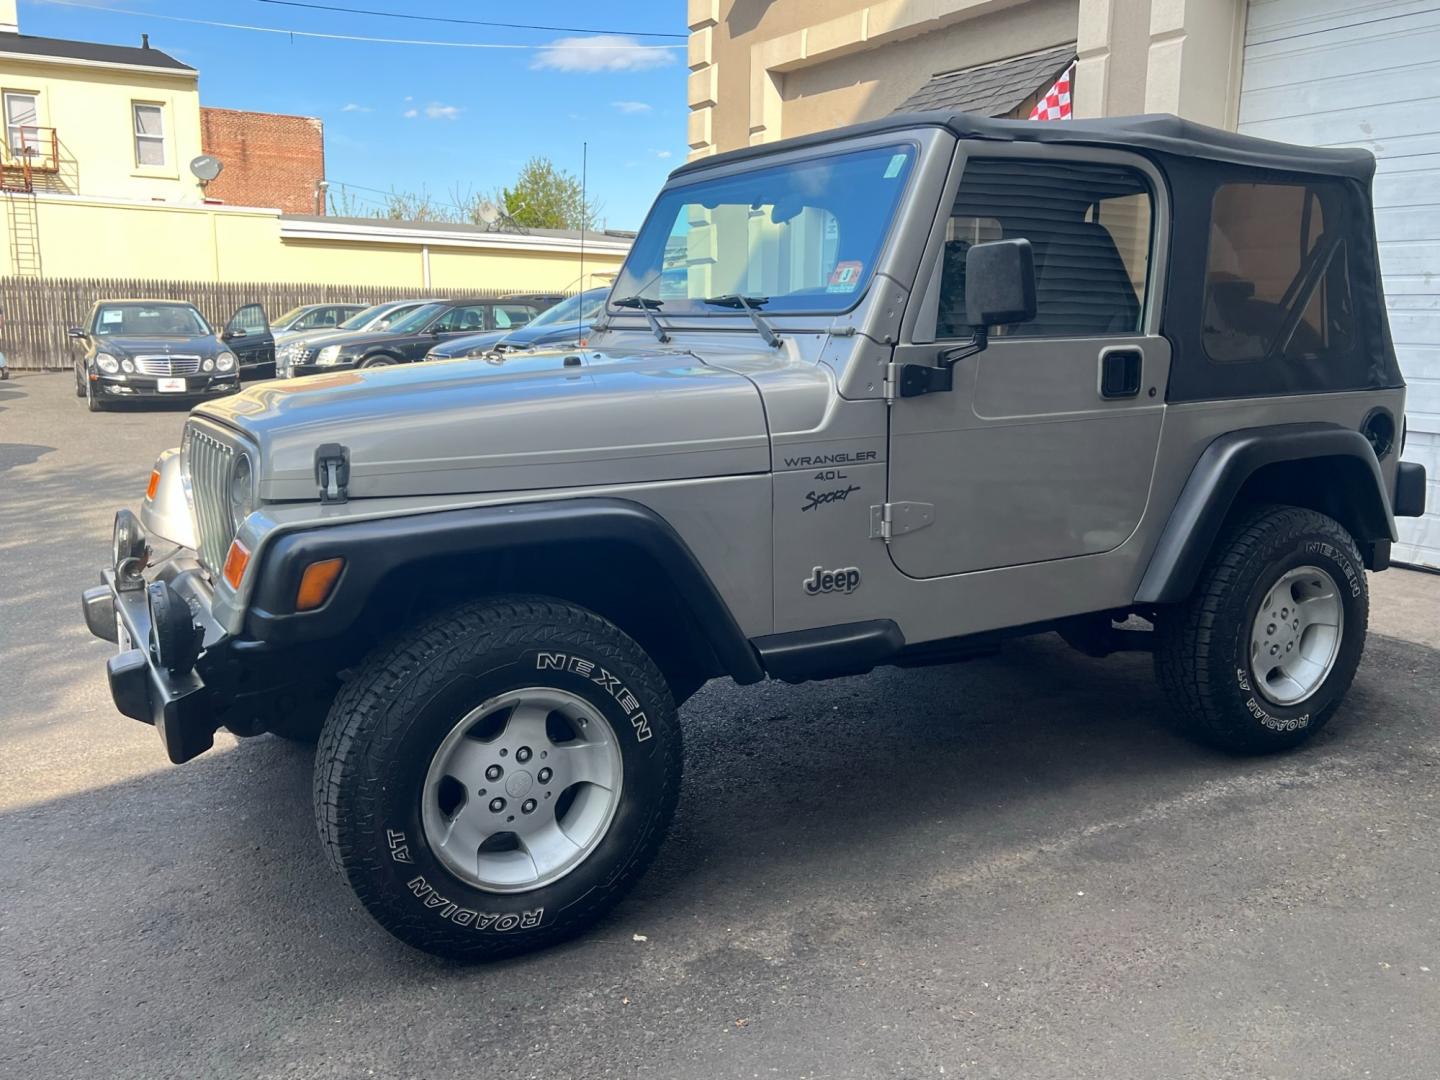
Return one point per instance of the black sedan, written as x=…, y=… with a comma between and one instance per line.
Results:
x=150, y=349
x=567, y=323
x=410, y=338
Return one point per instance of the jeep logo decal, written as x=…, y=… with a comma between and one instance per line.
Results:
x=845, y=580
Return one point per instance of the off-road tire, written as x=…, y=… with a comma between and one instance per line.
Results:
x=1202, y=646
x=388, y=721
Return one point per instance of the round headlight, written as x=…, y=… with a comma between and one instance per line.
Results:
x=242, y=489
x=107, y=363
x=208, y=365
x=225, y=361
x=127, y=367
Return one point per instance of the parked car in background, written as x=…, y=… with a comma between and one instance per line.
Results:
x=410, y=338
x=567, y=323
x=312, y=317
x=376, y=318
x=541, y=300
x=249, y=335
x=150, y=348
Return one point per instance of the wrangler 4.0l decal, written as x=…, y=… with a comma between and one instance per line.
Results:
x=845, y=580
x=840, y=457
x=588, y=669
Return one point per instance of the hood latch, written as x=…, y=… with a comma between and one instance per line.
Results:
x=332, y=472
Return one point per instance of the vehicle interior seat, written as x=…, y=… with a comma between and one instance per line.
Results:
x=1082, y=288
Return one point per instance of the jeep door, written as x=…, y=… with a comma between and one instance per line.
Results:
x=1045, y=446
x=248, y=336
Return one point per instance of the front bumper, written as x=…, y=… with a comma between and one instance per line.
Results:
x=120, y=387
x=182, y=707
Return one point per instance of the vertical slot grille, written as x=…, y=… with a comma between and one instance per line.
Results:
x=209, y=462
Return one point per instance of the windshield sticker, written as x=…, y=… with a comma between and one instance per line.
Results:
x=897, y=162
x=112, y=315
x=845, y=277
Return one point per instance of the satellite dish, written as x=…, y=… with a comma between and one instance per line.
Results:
x=206, y=167
x=489, y=213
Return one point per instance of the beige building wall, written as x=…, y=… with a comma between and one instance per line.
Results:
x=761, y=70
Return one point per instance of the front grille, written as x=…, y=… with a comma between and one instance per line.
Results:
x=208, y=462
x=167, y=365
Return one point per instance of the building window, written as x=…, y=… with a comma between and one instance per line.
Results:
x=149, y=134
x=1089, y=225
x=1277, y=285
x=22, y=115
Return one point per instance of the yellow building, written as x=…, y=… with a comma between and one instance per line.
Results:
x=97, y=145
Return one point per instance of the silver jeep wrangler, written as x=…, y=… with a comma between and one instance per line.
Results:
x=888, y=395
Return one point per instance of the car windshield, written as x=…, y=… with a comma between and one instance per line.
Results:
x=289, y=317
x=149, y=320
x=803, y=236
x=417, y=319
x=584, y=307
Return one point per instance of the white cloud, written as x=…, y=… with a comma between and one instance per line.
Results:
x=353, y=107
x=662, y=154
x=410, y=114
x=436, y=111
x=602, y=52
x=409, y=98
x=630, y=106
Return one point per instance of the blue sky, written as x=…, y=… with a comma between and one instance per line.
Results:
x=408, y=116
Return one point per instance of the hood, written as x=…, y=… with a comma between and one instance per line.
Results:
x=363, y=339
x=529, y=422
x=120, y=345
x=465, y=345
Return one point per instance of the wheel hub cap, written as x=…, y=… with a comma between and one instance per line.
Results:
x=1296, y=635
x=522, y=790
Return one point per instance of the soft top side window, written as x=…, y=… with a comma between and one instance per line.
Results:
x=1277, y=282
x=1089, y=225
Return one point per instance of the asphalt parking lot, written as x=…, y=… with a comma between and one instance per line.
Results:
x=1006, y=868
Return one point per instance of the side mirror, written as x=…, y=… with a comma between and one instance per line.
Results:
x=230, y=335
x=999, y=290
x=999, y=283
x=78, y=333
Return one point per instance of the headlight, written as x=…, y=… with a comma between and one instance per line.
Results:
x=127, y=367
x=242, y=489
x=208, y=365
x=328, y=355
x=107, y=363
x=225, y=361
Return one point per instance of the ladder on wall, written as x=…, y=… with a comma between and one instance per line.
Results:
x=24, y=234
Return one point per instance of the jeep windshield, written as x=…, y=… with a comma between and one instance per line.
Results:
x=805, y=235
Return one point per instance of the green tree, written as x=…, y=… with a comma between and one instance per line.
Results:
x=544, y=197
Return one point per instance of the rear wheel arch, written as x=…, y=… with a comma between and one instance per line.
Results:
x=1321, y=467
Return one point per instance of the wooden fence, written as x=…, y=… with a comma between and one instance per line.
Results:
x=37, y=312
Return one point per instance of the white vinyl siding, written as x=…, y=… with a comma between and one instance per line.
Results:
x=1341, y=73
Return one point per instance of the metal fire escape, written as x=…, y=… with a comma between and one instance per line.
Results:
x=28, y=151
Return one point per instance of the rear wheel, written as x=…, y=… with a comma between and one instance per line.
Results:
x=498, y=778
x=79, y=381
x=1263, y=652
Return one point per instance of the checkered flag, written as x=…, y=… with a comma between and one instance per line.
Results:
x=1055, y=105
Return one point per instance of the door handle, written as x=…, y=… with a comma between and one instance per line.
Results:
x=1120, y=371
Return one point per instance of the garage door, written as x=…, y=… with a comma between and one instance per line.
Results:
x=1367, y=73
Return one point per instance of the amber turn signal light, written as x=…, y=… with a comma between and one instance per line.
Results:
x=236, y=560
x=317, y=583
x=154, y=485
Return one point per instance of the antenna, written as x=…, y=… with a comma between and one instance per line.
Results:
x=584, y=213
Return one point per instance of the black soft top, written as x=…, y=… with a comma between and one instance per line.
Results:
x=1157, y=135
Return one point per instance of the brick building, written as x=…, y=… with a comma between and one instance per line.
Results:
x=270, y=159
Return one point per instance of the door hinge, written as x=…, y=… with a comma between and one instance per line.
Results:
x=332, y=472
x=889, y=520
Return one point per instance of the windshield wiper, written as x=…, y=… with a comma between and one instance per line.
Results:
x=648, y=308
x=750, y=305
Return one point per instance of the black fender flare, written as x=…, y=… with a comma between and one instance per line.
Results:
x=1222, y=470
x=374, y=548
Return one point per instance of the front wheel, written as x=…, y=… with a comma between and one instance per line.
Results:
x=1260, y=656
x=497, y=778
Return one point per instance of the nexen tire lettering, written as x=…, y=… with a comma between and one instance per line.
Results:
x=588, y=669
